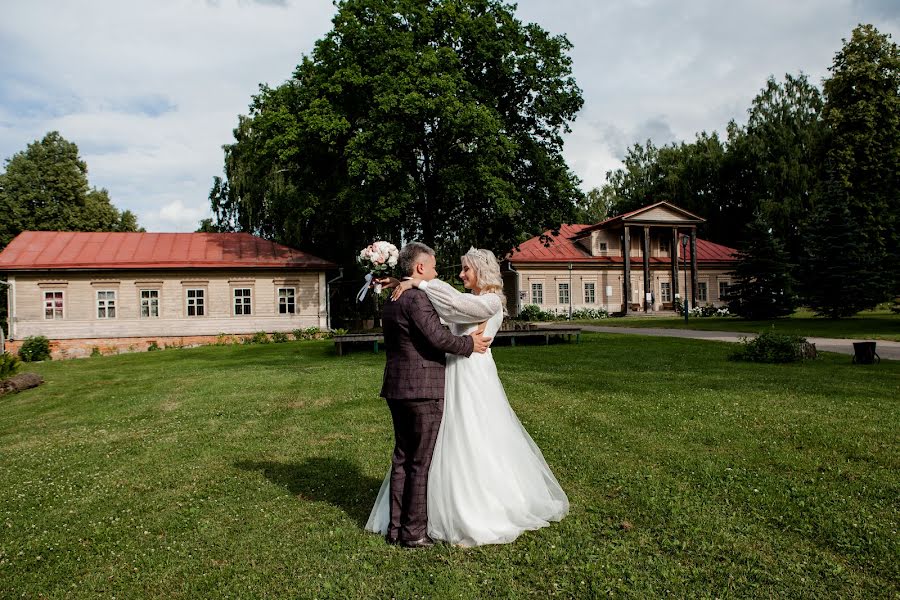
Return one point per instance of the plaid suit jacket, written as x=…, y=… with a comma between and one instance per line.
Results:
x=416, y=343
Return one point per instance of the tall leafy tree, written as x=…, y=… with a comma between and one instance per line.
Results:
x=596, y=205
x=45, y=187
x=862, y=111
x=689, y=175
x=768, y=166
x=439, y=120
x=780, y=149
x=763, y=287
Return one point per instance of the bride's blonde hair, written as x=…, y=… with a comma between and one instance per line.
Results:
x=487, y=272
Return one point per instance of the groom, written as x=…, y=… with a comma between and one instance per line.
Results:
x=415, y=343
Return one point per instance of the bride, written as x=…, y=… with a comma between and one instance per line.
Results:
x=489, y=481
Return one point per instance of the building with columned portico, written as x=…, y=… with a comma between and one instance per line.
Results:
x=584, y=266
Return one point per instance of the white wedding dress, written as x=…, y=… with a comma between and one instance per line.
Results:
x=489, y=481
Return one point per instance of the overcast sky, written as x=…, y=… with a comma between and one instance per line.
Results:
x=151, y=90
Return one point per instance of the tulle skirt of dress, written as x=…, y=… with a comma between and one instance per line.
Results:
x=489, y=481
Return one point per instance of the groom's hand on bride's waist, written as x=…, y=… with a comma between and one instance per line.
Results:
x=481, y=343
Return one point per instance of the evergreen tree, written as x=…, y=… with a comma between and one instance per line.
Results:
x=838, y=270
x=763, y=285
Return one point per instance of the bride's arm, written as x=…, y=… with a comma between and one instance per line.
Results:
x=456, y=307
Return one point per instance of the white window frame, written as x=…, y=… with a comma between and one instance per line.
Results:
x=537, y=292
x=702, y=292
x=289, y=301
x=665, y=291
x=602, y=247
x=149, y=303
x=722, y=293
x=592, y=297
x=106, y=306
x=560, y=288
x=246, y=302
x=52, y=305
x=201, y=304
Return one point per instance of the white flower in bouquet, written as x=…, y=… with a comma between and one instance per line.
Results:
x=379, y=258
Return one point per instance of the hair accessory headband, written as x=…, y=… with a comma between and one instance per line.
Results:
x=477, y=255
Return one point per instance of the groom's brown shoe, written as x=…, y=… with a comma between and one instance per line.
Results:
x=391, y=540
x=424, y=542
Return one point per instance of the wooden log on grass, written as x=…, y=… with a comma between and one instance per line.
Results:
x=20, y=382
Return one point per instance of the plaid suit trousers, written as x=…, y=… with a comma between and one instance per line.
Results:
x=416, y=425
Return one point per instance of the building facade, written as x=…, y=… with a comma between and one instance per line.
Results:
x=118, y=291
x=585, y=266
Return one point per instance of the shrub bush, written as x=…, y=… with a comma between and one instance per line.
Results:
x=770, y=347
x=260, y=337
x=533, y=312
x=153, y=347
x=586, y=314
x=95, y=351
x=708, y=311
x=9, y=365
x=35, y=348
x=279, y=337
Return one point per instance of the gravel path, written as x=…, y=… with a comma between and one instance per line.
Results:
x=885, y=349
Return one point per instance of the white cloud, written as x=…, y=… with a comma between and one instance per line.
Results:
x=150, y=91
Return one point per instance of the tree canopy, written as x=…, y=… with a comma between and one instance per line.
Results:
x=763, y=287
x=45, y=187
x=799, y=148
x=437, y=120
x=862, y=113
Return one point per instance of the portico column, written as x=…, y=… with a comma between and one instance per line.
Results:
x=674, y=255
x=626, y=258
x=646, y=267
x=694, y=266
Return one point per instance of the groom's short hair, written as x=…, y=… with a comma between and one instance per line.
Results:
x=409, y=256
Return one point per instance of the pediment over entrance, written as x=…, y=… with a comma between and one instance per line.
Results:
x=661, y=212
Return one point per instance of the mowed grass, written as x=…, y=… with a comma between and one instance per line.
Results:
x=867, y=325
x=249, y=471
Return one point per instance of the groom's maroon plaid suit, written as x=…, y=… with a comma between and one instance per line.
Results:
x=415, y=343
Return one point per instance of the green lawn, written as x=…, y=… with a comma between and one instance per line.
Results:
x=872, y=325
x=248, y=471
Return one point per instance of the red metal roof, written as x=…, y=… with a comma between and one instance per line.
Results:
x=565, y=248
x=92, y=250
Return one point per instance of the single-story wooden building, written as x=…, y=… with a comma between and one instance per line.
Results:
x=583, y=267
x=126, y=291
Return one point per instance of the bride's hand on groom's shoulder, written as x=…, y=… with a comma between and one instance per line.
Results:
x=387, y=282
x=402, y=286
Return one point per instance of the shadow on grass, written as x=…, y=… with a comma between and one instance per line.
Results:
x=323, y=479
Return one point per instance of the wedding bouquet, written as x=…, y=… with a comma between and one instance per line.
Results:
x=379, y=258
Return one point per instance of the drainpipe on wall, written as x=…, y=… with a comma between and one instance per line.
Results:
x=328, y=296
x=516, y=287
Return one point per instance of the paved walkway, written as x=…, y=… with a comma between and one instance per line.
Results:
x=885, y=349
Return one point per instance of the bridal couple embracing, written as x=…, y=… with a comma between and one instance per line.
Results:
x=464, y=470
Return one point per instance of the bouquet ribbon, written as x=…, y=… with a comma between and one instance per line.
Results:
x=365, y=288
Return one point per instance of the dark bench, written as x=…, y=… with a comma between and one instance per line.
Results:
x=511, y=334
